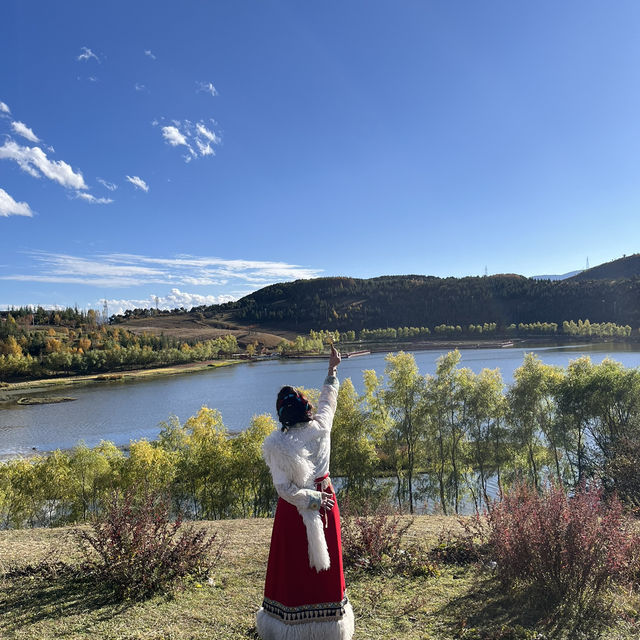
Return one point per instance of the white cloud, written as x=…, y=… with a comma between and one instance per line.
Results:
x=34, y=161
x=35, y=305
x=197, y=138
x=22, y=130
x=139, y=87
x=148, y=53
x=9, y=207
x=204, y=148
x=138, y=182
x=92, y=199
x=206, y=87
x=129, y=270
x=173, y=136
x=4, y=108
x=173, y=300
x=101, y=272
x=207, y=133
x=106, y=282
x=107, y=185
x=87, y=54
x=210, y=267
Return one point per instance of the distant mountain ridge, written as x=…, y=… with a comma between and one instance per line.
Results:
x=562, y=276
x=346, y=303
x=625, y=267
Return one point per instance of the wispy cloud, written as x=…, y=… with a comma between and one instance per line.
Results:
x=206, y=87
x=9, y=207
x=107, y=185
x=139, y=87
x=148, y=53
x=4, y=109
x=198, y=139
x=22, y=130
x=87, y=54
x=92, y=199
x=204, y=148
x=207, y=133
x=129, y=270
x=138, y=182
x=35, y=162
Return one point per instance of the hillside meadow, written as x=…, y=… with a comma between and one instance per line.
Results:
x=465, y=602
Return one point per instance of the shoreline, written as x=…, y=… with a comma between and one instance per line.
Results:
x=12, y=390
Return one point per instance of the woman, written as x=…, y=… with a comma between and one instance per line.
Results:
x=304, y=594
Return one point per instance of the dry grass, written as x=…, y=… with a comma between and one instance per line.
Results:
x=461, y=602
x=190, y=328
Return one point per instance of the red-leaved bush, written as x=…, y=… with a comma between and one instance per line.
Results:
x=137, y=550
x=567, y=548
x=467, y=544
x=371, y=535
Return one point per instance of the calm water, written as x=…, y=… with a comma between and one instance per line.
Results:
x=121, y=412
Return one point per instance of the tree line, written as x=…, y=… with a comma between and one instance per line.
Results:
x=398, y=301
x=315, y=341
x=444, y=438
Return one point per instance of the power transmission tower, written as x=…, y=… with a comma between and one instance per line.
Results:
x=105, y=312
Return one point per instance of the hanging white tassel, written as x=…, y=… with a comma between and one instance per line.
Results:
x=316, y=541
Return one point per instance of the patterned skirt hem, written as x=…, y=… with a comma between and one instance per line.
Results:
x=323, y=612
x=270, y=627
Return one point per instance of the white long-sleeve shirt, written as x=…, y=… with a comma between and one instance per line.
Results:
x=315, y=437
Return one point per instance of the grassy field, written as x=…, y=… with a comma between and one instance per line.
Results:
x=464, y=602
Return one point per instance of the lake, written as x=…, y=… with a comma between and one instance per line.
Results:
x=121, y=412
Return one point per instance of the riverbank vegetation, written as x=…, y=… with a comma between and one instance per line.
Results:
x=315, y=341
x=36, y=343
x=46, y=343
x=448, y=442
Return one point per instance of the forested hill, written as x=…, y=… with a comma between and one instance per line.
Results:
x=625, y=267
x=396, y=301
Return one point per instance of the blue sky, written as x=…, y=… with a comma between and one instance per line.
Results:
x=197, y=151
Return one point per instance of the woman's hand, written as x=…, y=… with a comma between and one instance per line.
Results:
x=334, y=358
x=327, y=501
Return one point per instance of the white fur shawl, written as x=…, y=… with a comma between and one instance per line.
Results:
x=286, y=454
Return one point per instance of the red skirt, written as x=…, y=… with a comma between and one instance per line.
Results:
x=294, y=592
